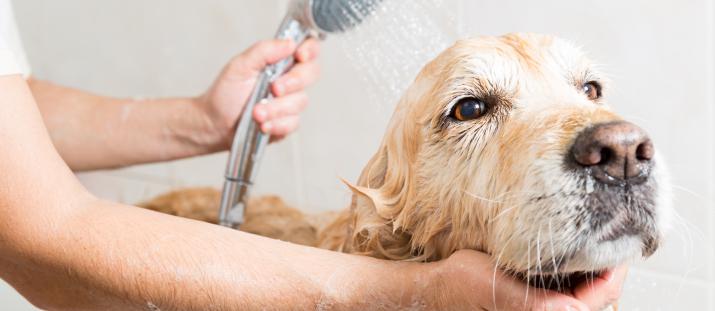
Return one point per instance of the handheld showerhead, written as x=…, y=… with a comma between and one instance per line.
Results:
x=304, y=18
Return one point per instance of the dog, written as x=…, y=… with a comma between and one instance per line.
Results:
x=504, y=145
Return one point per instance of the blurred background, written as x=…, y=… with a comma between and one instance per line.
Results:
x=659, y=54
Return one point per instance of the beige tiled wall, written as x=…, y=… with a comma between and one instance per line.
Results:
x=660, y=55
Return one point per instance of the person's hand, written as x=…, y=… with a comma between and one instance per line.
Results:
x=468, y=281
x=604, y=291
x=224, y=101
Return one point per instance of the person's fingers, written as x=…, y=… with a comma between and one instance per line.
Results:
x=297, y=79
x=263, y=53
x=281, y=107
x=308, y=51
x=281, y=127
x=604, y=290
x=549, y=300
x=304, y=73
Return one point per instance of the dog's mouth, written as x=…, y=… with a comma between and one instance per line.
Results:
x=562, y=282
x=556, y=275
x=617, y=213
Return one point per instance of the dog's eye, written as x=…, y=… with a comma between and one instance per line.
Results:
x=469, y=109
x=592, y=90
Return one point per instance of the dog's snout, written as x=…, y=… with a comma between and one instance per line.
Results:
x=614, y=152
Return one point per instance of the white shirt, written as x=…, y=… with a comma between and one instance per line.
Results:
x=12, y=55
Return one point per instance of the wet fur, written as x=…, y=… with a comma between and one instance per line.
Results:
x=268, y=216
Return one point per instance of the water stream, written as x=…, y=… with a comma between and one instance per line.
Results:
x=390, y=47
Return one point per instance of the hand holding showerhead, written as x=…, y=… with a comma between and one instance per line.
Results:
x=305, y=18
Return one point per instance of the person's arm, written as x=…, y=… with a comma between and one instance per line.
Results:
x=96, y=132
x=64, y=249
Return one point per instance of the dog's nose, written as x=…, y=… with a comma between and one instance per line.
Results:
x=615, y=152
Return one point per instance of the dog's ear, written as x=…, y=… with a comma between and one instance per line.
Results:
x=370, y=194
x=377, y=202
x=386, y=181
x=367, y=197
x=379, y=227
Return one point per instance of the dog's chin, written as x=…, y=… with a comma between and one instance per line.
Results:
x=602, y=255
x=626, y=236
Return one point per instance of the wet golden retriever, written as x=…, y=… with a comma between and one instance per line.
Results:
x=504, y=145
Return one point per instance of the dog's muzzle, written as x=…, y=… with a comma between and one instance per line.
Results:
x=617, y=158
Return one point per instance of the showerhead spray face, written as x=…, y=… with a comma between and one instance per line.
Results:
x=340, y=15
x=304, y=18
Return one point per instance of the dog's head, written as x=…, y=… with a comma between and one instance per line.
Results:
x=506, y=145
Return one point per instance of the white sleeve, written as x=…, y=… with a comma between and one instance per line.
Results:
x=12, y=55
x=8, y=65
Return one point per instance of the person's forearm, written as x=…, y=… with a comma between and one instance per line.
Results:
x=95, y=132
x=64, y=249
x=123, y=257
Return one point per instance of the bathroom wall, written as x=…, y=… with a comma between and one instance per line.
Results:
x=659, y=54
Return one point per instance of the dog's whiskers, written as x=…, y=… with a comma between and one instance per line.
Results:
x=496, y=268
x=502, y=213
x=497, y=201
x=686, y=237
x=688, y=191
x=481, y=198
x=497, y=198
x=539, y=269
x=528, y=272
x=553, y=256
